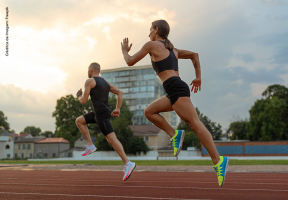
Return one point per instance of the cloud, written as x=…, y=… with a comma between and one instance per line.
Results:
x=258, y=88
x=26, y=106
x=274, y=2
x=241, y=48
x=91, y=41
x=285, y=78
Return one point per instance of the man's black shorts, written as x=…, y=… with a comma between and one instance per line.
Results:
x=104, y=124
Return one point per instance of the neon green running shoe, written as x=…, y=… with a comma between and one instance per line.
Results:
x=177, y=141
x=221, y=168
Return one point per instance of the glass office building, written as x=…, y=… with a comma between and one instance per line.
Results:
x=140, y=87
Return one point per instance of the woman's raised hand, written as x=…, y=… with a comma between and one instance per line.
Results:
x=196, y=85
x=125, y=45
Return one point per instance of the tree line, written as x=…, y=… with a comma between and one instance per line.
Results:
x=268, y=117
x=268, y=121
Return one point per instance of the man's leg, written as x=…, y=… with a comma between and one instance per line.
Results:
x=115, y=143
x=81, y=124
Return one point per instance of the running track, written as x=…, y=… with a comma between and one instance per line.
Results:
x=141, y=185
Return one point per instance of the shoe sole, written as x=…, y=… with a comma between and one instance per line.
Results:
x=226, y=167
x=130, y=173
x=90, y=153
x=181, y=143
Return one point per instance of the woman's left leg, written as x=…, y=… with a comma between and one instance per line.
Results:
x=186, y=111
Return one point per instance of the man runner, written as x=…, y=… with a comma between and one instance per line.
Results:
x=99, y=89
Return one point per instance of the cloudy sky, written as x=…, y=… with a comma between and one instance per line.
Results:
x=243, y=48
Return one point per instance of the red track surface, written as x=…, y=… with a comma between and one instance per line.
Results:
x=141, y=185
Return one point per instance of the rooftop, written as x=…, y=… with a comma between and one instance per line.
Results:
x=125, y=68
x=25, y=140
x=52, y=140
x=23, y=134
x=145, y=130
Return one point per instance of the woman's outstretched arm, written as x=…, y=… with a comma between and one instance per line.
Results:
x=132, y=60
x=183, y=54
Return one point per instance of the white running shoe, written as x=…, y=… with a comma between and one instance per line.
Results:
x=89, y=149
x=128, y=169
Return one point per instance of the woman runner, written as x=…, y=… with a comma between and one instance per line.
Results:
x=164, y=58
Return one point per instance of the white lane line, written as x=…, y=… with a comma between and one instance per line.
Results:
x=74, y=180
x=87, y=195
x=145, y=186
x=113, y=178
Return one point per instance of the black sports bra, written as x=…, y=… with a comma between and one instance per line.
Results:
x=168, y=63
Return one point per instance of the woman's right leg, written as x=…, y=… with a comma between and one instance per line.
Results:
x=186, y=111
x=152, y=114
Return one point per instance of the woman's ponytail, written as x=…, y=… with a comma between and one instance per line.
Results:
x=163, y=31
x=168, y=44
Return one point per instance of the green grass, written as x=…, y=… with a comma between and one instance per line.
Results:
x=152, y=162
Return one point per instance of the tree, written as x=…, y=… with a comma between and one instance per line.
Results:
x=238, y=129
x=266, y=120
x=138, y=145
x=122, y=131
x=47, y=134
x=32, y=130
x=191, y=138
x=67, y=110
x=3, y=121
x=212, y=127
x=281, y=92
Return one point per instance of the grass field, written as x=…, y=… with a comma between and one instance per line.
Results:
x=151, y=162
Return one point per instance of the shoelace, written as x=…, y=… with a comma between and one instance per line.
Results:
x=219, y=171
x=174, y=142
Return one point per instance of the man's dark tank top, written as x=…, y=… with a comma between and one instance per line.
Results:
x=168, y=63
x=99, y=96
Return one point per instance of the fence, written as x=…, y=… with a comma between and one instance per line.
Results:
x=247, y=148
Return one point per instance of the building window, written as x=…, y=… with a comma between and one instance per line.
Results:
x=23, y=147
x=146, y=138
x=19, y=146
x=15, y=155
x=54, y=155
x=29, y=146
x=45, y=155
x=31, y=156
x=7, y=147
x=22, y=155
x=70, y=155
x=8, y=155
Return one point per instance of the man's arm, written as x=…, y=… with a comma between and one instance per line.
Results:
x=83, y=99
x=119, y=93
x=132, y=60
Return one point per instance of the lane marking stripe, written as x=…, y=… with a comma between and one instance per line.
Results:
x=162, y=187
x=103, y=196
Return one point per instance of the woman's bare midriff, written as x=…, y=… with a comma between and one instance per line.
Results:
x=167, y=74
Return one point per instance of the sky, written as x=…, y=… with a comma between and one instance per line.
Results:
x=242, y=45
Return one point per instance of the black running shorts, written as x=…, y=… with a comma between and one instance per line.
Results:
x=175, y=88
x=104, y=124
